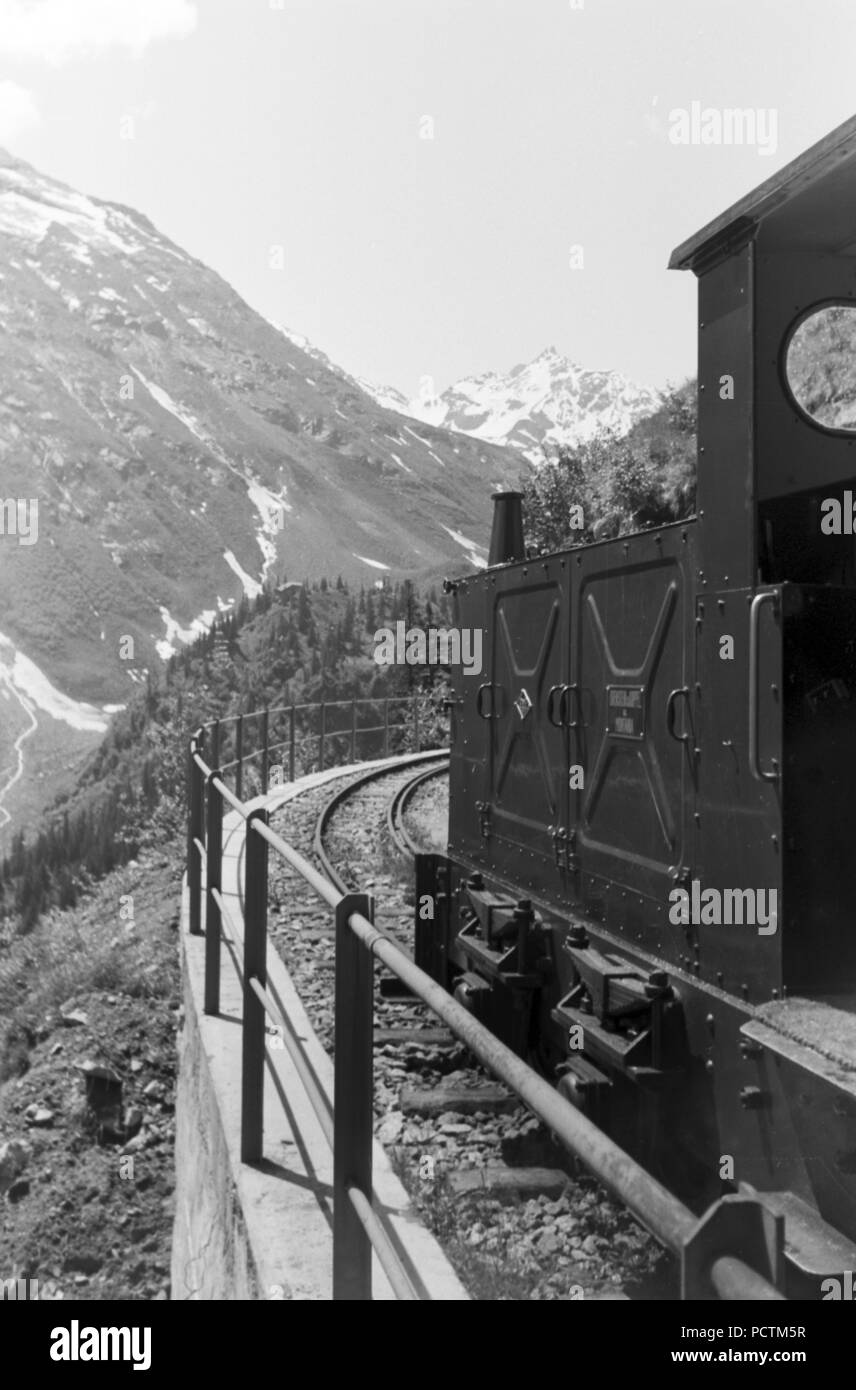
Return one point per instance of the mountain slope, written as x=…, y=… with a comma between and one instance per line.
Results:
x=541, y=404
x=180, y=447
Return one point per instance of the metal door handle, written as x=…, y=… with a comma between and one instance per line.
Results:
x=562, y=692
x=491, y=714
x=671, y=703
x=754, y=630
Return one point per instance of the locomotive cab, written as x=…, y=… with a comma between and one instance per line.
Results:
x=776, y=471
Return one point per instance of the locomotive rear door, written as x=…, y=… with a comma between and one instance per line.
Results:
x=632, y=731
x=521, y=704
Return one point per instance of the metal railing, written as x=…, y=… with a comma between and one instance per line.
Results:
x=306, y=747
x=733, y=1251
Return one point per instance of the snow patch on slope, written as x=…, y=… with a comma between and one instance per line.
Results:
x=251, y=586
x=30, y=682
x=271, y=508
x=166, y=647
x=471, y=547
x=375, y=564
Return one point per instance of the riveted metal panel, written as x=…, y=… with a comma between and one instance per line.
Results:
x=631, y=649
x=739, y=831
x=528, y=623
x=726, y=472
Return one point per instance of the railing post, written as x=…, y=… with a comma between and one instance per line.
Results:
x=264, y=750
x=195, y=832
x=291, y=746
x=353, y=1087
x=239, y=754
x=213, y=758
x=214, y=848
x=255, y=967
x=322, y=732
x=386, y=728
x=188, y=796
x=353, y=731
x=416, y=723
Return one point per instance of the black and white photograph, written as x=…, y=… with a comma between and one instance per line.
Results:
x=428, y=668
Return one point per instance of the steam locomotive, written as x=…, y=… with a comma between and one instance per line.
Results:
x=650, y=883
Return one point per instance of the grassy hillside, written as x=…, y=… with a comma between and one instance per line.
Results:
x=296, y=643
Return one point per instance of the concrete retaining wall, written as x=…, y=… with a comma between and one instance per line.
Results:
x=264, y=1231
x=211, y=1256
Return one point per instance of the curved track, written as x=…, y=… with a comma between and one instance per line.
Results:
x=395, y=811
x=395, y=820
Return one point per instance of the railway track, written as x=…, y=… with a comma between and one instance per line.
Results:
x=396, y=817
x=517, y=1220
x=370, y=794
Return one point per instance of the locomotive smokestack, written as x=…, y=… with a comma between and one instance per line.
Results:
x=506, y=538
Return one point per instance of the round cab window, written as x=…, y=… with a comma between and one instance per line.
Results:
x=820, y=367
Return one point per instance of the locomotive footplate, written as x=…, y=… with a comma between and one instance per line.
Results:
x=621, y=1018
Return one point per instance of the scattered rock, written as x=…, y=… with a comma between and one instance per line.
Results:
x=390, y=1130
x=19, y=1189
x=133, y=1121
x=14, y=1156
x=548, y=1244
x=39, y=1115
x=74, y=1018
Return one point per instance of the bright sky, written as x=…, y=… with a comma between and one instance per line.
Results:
x=299, y=123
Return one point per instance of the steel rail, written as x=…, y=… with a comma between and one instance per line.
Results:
x=336, y=801
x=395, y=815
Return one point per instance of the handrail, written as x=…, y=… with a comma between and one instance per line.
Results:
x=301, y=740
x=771, y=597
x=331, y=704
x=357, y=1227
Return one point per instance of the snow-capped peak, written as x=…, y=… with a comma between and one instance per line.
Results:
x=535, y=405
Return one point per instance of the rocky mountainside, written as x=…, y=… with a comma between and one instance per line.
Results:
x=180, y=448
x=535, y=406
